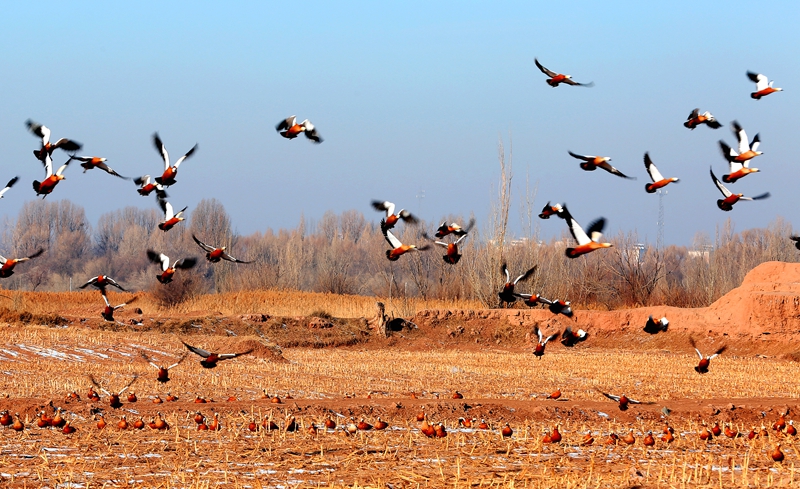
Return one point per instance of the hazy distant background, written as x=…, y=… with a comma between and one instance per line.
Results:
x=409, y=97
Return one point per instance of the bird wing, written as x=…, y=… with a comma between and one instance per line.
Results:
x=504, y=269
x=539, y=333
x=129, y=384
x=575, y=229
x=390, y=238
x=735, y=166
x=384, y=206
x=203, y=245
x=607, y=167
x=159, y=258
x=757, y=197
x=720, y=351
x=544, y=70
x=596, y=229
x=225, y=356
x=114, y=283
x=760, y=80
x=525, y=275
x=143, y=180
x=91, y=281
x=48, y=165
x=162, y=150
x=188, y=154
x=286, y=123
x=460, y=239
x=110, y=171
x=727, y=193
x=40, y=130
x=226, y=256
x=169, y=213
x=741, y=135
x=754, y=144
x=655, y=175
x=182, y=358
x=8, y=186
x=196, y=351
x=570, y=81
x=581, y=157
x=611, y=396
x=551, y=337
x=105, y=299
x=694, y=114
x=63, y=167
x=185, y=263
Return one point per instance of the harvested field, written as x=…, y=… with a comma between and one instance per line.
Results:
x=483, y=355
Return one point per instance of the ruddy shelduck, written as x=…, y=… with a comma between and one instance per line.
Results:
x=47, y=147
x=554, y=79
x=696, y=118
x=101, y=282
x=109, y=310
x=167, y=271
x=538, y=350
x=210, y=359
x=7, y=264
x=171, y=218
x=392, y=217
x=731, y=198
x=658, y=179
x=586, y=242
x=214, y=255
x=744, y=152
x=163, y=372
x=47, y=185
x=454, y=228
x=146, y=187
x=507, y=295
x=8, y=186
x=550, y=210
x=170, y=172
x=290, y=129
x=451, y=256
x=763, y=85
x=654, y=327
x=702, y=367
x=398, y=248
x=90, y=162
x=592, y=163
x=570, y=338
x=623, y=400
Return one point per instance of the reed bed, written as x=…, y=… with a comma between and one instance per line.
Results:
x=43, y=365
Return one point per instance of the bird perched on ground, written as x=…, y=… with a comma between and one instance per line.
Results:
x=538, y=350
x=163, y=372
x=108, y=311
x=744, y=151
x=8, y=186
x=101, y=282
x=586, y=244
x=571, y=338
x=170, y=172
x=90, y=162
x=47, y=147
x=398, y=248
x=51, y=179
x=392, y=218
x=550, y=210
x=167, y=271
x=210, y=359
x=592, y=163
x=7, y=264
x=171, y=218
x=214, y=255
x=696, y=118
x=653, y=327
x=507, y=295
x=731, y=198
x=290, y=129
x=658, y=180
x=556, y=78
x=702, y=367
x=445, y=229
x=763, y=85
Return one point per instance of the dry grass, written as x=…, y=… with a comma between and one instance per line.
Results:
x=43, y=364
x=270, y=302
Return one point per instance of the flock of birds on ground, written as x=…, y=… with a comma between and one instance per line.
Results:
x=587, y=241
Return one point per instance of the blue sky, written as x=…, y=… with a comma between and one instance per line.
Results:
x=409, y=96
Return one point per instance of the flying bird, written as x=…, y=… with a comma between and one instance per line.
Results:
x=8, y=186
x=7, y=264
x=392, y=218
x=170, y=172
x=726, y=204
x=89, y=162
x=763, y=85
x=658, y=180
x=451, y=256
x=163, y=372
x=167, y=271
x=561, y=307
x=696, y=118
x=796, y=240
x=623, y=400
x=398, y=248
x=507, y=295
x=108, y=311
x=51, y=179
x=556, y=78
x=654, y=327
x=445, y=229
x=586, y=242
x=538, y=350
x=591, y=163
x=746, y=151
x=170, y=217
x=146, y=187
x=571, y=338
x=210, y=359
x=532, y=300
x=47, y=147
x=214, y=255
x=289, y=129
x=101, y=282
x=550, y=210
x=702, y=367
